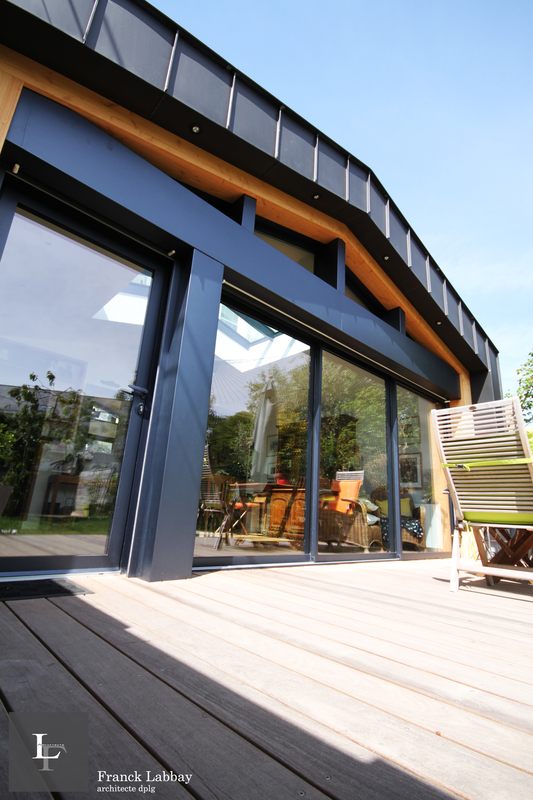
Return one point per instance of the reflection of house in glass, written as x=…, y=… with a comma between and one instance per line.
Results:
x=244, y=334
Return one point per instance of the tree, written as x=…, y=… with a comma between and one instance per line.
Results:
x=43, y=414
x=525, y=387
x=230, y=444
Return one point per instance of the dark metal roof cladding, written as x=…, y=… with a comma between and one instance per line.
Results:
x=129, y=52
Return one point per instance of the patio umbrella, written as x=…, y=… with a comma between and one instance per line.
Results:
x=264, y=452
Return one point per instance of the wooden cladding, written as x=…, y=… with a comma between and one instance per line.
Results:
x=10, y=89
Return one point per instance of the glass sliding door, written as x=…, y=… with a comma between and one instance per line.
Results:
x=424, y=512
x=253, y=488
x=71, y=324
x=353, y=513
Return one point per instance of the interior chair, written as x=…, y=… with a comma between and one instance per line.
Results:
x=212, y=510
x=239, y=506
x=411, y=520
x=342, y=517
x=286, y=513
x=486, y=456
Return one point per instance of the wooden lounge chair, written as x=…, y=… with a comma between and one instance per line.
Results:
x=489, y=469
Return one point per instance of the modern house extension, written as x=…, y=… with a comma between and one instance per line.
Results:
x=220, y=339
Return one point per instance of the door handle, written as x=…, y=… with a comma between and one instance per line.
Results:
x=142, y=392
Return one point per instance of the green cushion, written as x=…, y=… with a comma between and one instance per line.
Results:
x=405, y=507
x=500, y=518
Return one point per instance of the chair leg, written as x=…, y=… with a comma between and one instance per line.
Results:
x=222, y=531
x=482, y=549
x=456, y=555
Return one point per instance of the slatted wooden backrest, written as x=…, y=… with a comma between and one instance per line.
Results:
x=212, y=486
x=501, y=491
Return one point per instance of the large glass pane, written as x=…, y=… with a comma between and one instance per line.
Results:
x=71, y=320
x=353, y=496
x=252, y=494
x=423, y=506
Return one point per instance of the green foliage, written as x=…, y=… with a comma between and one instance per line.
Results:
x=43, y=414
x=353, y=422
x=292, y=392
x=525, y=387
x=230, y=444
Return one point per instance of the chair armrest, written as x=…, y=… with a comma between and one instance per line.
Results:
x=356, y=504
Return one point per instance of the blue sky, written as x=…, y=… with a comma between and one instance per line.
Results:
x=437, y=97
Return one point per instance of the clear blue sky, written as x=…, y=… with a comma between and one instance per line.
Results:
x=437, y=97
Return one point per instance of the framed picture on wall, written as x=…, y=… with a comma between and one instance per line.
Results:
x=411, y=470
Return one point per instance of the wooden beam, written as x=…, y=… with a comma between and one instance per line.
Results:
x=202, y=170
x=465, y=389
x=10, y=89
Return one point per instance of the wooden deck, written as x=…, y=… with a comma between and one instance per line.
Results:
x=353, y=682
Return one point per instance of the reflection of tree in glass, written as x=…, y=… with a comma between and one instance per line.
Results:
x=43, y=414
x=353, y=424
x=291, y=393
x=230, y=443
x=353, y=421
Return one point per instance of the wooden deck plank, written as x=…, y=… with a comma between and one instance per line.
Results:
x=419, y=627
x=329, y=663
x=359, y=633
x=372, y=671
x=4, y=766
x=365, y=602
x=417, y=579
x=284, y=674
x=452, y=614
x=32, y=679
x=186, y=738
x=414, y=582
x=50, y=544
x=326, y=758
x=368, y=680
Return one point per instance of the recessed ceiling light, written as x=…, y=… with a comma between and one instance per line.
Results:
x=316, y=197
x=439, y=322
x=171, y=253
x=386, y=258
x=195, y=129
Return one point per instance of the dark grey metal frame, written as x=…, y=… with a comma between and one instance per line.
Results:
x=16, y=195
x=66, y=155
x=308, y=550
